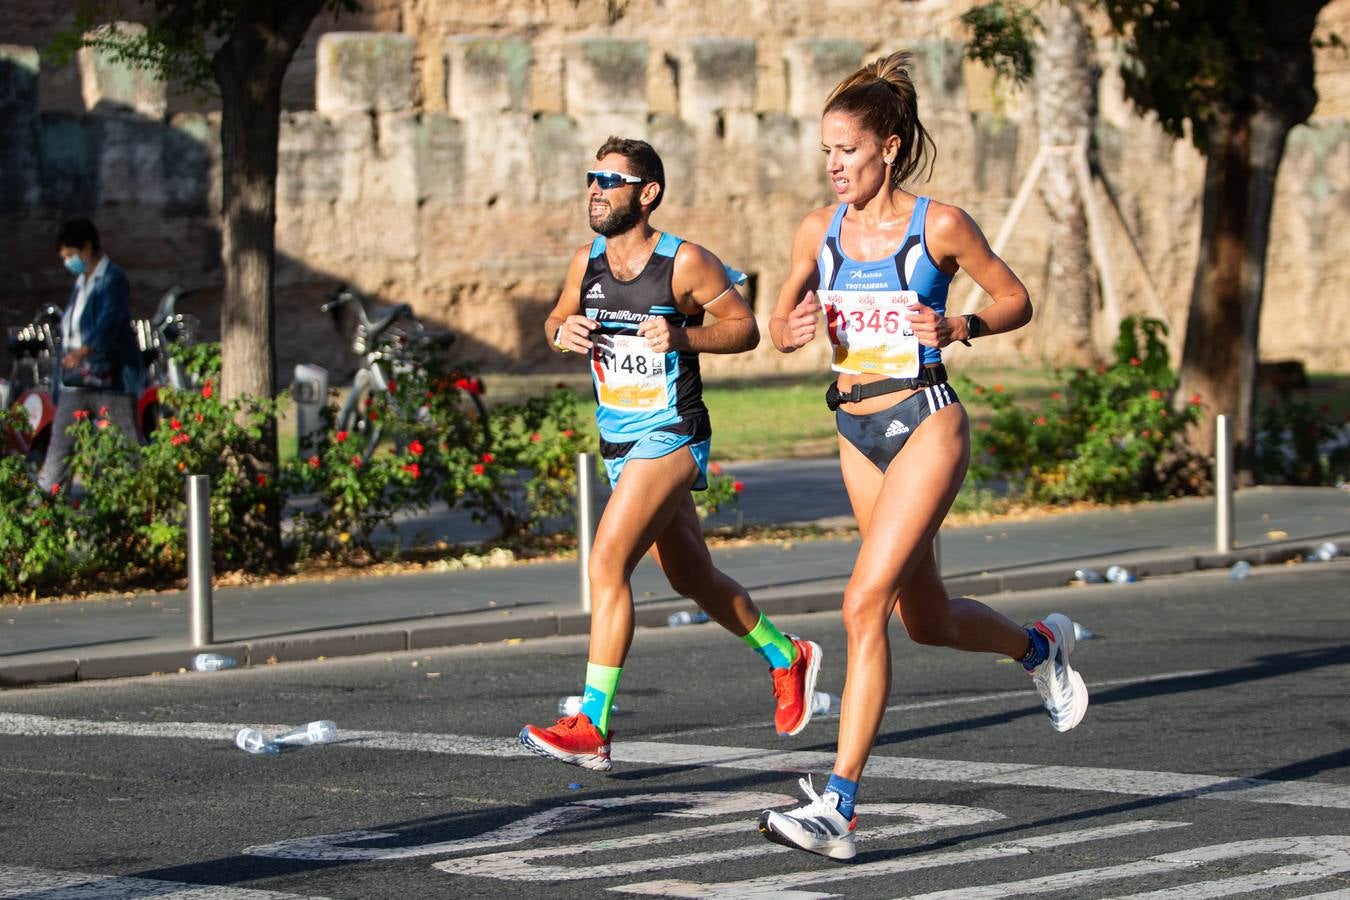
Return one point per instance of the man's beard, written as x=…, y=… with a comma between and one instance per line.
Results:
x=619, y=219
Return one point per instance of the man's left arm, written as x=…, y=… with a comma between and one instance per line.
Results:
x=700, y=282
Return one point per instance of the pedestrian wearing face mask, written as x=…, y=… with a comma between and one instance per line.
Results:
x=101, y=369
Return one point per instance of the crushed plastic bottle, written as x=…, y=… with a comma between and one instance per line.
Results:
x=254, y=741
x=1241, y=569
x=1082, y=632
x=321, y=732
x=1326, y=552
x=1120, y=575
x=824, y=704
x=685, y=617
x=212, y=662
x=570, y=706
x=1088, y=576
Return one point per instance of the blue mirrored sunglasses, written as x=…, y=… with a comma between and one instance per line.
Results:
x=610, y=180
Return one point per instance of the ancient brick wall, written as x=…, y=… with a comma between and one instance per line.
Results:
x=440, y=162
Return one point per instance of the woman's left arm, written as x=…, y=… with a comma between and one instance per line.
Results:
x=954, y=239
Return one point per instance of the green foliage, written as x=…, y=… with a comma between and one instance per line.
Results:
x=174, y=43
x=723, y=490
x=1110, y=435
x=1003, y=37
x=37, y=532
x=1297, y=442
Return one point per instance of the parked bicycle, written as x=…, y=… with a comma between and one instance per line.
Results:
x=34, y=351
x=157, y=336
x=391, y=344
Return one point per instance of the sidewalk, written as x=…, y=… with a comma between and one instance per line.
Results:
x=303, y=620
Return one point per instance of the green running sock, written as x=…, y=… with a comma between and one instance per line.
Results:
x=776, y=648
x=598, y=698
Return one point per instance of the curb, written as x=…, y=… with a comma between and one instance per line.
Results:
x=438, y=634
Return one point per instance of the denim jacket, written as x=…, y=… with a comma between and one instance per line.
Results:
x=105, y=324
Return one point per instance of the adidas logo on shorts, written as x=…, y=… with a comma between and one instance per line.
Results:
x=896, y=427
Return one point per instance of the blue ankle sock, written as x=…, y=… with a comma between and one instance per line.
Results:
x=1039, y=650
x=847, y=791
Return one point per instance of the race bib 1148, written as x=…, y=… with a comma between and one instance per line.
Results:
x=628, y=375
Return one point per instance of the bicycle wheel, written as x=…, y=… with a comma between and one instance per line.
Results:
x=355, y=419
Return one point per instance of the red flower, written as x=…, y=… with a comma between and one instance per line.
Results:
x=1055, y=395
x=81, y=414
x=102, y=423
x=979, y=389
x=198, y=418
x=374, y=415
x=488, y=457
x=1040, y=420
x=464, y=384
x=715, y=468
x=1146, y=434
x=56, y=489
x=1155, y=394
x=175, y=424
x=103, y=411
x=416, y=448
x=340, y=437
x=998, y=389
x=738, y=486
x=478, y=469
x=356, y=461
x=262, y=480
x=314, y=461
x=179, y=439
x=208, y=390
x=1134, y=360
x=568, y=432
x=536, y=437
x=75, y=504
x=393, y=386
x=413, y=469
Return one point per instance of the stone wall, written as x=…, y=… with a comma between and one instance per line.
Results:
x=450, y=176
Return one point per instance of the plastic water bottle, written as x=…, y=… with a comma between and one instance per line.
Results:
x=255, y=742
x=1119, y=575
x=824, y=704
x=212, y=662
x=1326, y=552
x=1241, y=569
x=1082, y=632
x=685, y=617
x=570, y=706
x=321, y=732
x=1088, y=576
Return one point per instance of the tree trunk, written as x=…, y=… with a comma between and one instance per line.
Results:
x=249, y=68
x=1222, y=329
x=1064, y=111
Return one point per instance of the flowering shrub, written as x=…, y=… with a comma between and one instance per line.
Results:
x=1110, y=435
x=37, y=531
x=723, y=490
x=541, y=436
x=1298, y=443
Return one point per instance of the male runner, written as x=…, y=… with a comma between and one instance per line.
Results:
x=633, y=301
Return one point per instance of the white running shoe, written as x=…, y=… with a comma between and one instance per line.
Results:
x=816, y=827
x=1061, y=688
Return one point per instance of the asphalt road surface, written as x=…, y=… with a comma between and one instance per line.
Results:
x=1213, y=762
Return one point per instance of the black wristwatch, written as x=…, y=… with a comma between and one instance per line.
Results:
x=974, y=327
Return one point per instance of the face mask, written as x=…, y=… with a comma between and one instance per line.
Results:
x=74, y=265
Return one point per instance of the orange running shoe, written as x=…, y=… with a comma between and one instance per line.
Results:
x=794, y=687
x=571, y=739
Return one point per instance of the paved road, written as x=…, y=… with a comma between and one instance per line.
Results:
x=1214, y=754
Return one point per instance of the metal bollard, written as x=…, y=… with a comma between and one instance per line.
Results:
x=199, y=557
x=585, y=525
x=1223, y=485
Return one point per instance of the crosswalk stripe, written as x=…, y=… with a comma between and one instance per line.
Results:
x=23, y=881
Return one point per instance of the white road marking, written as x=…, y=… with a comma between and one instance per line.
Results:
x=787, y=885
x=1078, y=778
x=518, y=865
x=25, y=881
x=1026, y=697
x=1326, y=856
